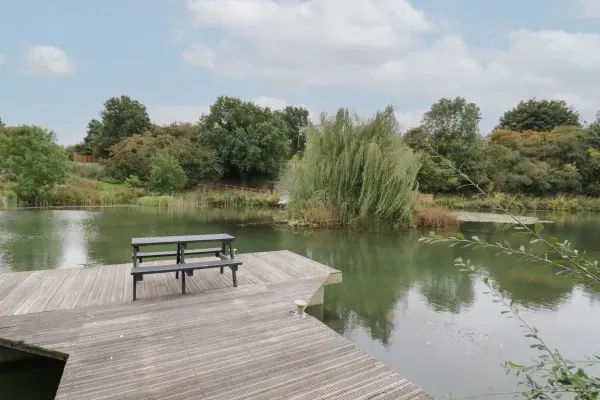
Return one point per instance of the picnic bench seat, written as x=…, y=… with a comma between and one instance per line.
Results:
x=139, y=272
x=172, y=253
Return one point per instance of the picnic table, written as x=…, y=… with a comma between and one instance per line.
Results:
x=225, y=252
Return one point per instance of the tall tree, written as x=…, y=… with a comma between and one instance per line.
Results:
x=94, y=133
x=296, y=119
x=122, y=117
x=250, y=141
x=539, y=115
x=454, y=127
x=33, y=160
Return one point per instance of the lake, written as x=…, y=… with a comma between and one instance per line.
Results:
x=402, y=301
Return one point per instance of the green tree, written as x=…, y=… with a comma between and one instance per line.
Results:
x=94, y=133
x=122, y=117
x=250, y=141
x=453, y=126
x=133, y=156
x=417, y=138
x=33, y=160
x=166, y=175
x=595, y=128
x=539, y=115
x=296, y=119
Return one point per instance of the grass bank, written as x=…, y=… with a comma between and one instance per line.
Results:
x=519, y=203
x=203, y=199
x=80, y=191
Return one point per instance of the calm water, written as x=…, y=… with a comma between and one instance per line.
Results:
x=401, y=301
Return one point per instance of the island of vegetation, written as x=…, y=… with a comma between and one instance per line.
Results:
x=343, y=170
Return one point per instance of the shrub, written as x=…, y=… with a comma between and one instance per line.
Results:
x=33, y=160
x=133, y=156
x=89, y=171
x=166, y=175
x=436, y=217
x=134, y=182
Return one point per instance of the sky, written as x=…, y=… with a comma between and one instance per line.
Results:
x=60, y=60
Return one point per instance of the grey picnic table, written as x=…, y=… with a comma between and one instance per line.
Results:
x=225, y=252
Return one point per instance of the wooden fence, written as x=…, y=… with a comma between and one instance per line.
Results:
x=83, y=159
x=222, y=186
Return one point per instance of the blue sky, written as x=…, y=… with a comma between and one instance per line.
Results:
x=61, y=59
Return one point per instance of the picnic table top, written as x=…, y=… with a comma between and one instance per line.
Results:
x=147, y=241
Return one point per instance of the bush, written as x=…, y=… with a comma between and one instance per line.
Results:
x=33, y=160
x=133, y=156
x=66, y=195
x=89, y=171
x=166, y=175
x=134, y=182
x=436, y=217
x=520, y=203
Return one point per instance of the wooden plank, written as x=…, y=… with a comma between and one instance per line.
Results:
x=62, y=291
x=75, y=289
x=184, y=267
x=10, y=281
x=147, y=241
x=45, y=292
x=173, y=253
x=21, y=293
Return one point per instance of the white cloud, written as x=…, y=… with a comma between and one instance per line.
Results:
x=389, y=46
x=164, y=115
x=41, y=60
x=3, y=59
x=200, y=55
x=590, y=8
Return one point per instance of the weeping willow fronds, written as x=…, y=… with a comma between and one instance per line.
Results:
x=360, y=169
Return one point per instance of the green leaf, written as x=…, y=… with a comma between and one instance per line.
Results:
x=538, y=228
x=485, y=280
x=460, y=236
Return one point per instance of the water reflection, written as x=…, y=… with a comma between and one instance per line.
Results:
x=400, y=300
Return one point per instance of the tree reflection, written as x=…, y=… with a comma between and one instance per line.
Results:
x=31, y=240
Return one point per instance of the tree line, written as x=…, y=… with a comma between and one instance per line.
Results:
x=540, y=147
x=236, y=140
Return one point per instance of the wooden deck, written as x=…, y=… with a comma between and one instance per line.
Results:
x=217, y=343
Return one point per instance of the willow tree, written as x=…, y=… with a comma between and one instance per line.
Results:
x=360, y=169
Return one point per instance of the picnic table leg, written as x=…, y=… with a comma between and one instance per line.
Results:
x=234, y=274
x=223, y=248
x=134, y=287
x=179, y=251
x=182, y=282
x=136, y=261
x=182, y=258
